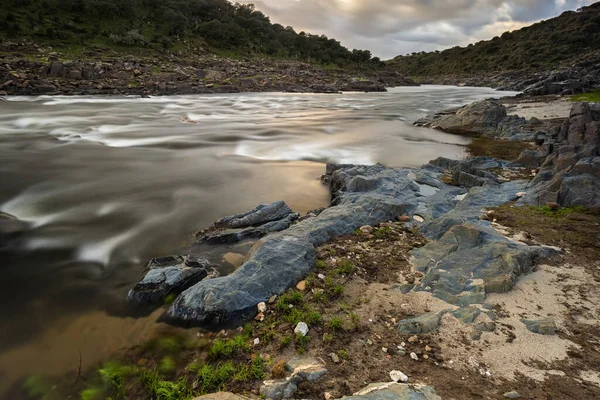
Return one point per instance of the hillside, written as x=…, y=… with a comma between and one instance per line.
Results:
x=541, y=46
x=153, y=26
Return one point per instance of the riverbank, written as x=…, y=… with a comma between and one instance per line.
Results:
x=512, y=308
x=28, y=69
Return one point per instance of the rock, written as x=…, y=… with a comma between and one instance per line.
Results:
x=543, y=326
x=166, y=276
x=262, y=307
x=394, y=391
x=301, y=286
x=413, y=339
x=487, y=117
x=398, y=376
x=404, y=218
x=414, y=356
x=279, y=389
x=256, y=342
x=335, y=358
x=230, y=236
x=512, y=395
x=306, y=368
x=272, y=299
x=552, y=206
x=367, y=229
x=301, y=329
x=220, y=396
x=425, y=323
x=257, y=216
x=521, y=194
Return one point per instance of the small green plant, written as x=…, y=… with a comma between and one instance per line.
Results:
x=320, y=296
x=561, y=212
x=257, y=371
x=170, y=344
x=113, y=377
x=285, y=341
x=354, y=318
x=327, y=337
x=225, y=348
x=320, y=264
x=314, y=317
x=382, y=232
x=36, y=386
x=592, y=97
x=337, y=290
x=165, y=390
x=91, y=393
x=336, y=324
x=345, y=268
x=302, y=343
x=343, y=354
x=170, y=298
x=166, y=365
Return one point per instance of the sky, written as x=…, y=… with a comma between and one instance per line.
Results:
x=394, y=27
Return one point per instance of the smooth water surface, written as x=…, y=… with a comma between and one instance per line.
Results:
x=106, y=182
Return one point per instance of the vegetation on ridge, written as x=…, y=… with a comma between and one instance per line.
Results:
x=182, y=25
x=542, y=45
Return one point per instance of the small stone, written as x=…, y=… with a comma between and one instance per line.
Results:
x=335, y=358
x=414, y=356
x=369, y=342
x=552, y=206
x=273, y=299
x=398, y=376
x=301, y=286
x=321, y=276
x=367, y=229
x=413, y=339
x=425, y=357
x=384, y=349
x=512, y=395
x=262, y=307
x=301, y=329
x=256, y=341
x=428, y=349
x=259, y=317
x=521, y=194
x=419, y=218
x=328, y=396
x=404, y=218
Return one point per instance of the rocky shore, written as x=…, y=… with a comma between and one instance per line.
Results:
x=449, y=268
x=568, y=79
x=27, y=69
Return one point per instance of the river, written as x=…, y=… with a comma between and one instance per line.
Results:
x=104, y=183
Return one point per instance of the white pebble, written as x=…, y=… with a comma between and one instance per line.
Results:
x=398, y=376
x=414, y=356
x=256, y=341
x=301, y=329
x=262, y=307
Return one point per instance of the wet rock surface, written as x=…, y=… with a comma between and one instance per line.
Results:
x=169, y=276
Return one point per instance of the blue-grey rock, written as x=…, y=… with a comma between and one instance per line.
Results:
x=230, y=236
x=395, y=391
x=512, y=395
x=162, y=282
x=543, y=326
x=422, y=324
x=257, y=216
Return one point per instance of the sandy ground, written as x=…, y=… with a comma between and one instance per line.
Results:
x=551, y=108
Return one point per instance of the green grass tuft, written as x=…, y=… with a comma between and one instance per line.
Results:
x=592, y=97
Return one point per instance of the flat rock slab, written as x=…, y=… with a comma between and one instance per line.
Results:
x=221, y=396
x=395, y=391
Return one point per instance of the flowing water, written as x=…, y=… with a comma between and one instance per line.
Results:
x=103, y=183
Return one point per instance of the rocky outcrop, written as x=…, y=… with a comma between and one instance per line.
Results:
x=369, y=195
x=168, y=276
x=487, y=117
x=570, y=174
x=108, y=74
x=254, y=224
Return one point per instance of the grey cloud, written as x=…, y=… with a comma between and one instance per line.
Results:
x=392, y=27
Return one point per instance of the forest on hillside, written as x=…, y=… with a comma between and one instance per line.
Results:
x=540, y=46
x=168, y=24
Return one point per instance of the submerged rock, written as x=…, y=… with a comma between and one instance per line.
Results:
x=425, y=323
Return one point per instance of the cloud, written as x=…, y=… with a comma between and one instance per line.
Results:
x=392, y=27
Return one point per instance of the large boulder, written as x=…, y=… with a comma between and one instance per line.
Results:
x=570, y=175
x=487, y=117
